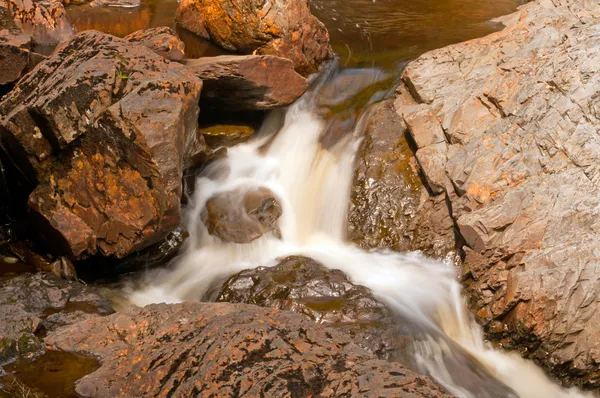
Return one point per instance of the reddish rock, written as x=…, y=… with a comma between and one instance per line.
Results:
x=46, y=22
x=16, y=56
x=103, y=125
x=199, y=349
x=242, y=217
x=326, y=296
x=283, y=28
x=251, y=82
x=162, y=41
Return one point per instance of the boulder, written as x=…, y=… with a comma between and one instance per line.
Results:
x=33, y=304
x=242, y=216
x=218, y=349
x=284, y=28
x=518, y=165
x=390, y=207
x=162, y=41
x=326, y=296
x=46, y=22
x=226, y=135
x=103, y=124
x=250, y=82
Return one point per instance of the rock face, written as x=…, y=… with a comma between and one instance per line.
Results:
x=326, y=296
x=251, y=82
x=389, y=206
x=102, y=125
x=198, y=349
x=242, y=217
x=507, y=128
x=162, y=41
x=31, y=305
x=46, y=22
x=284, y=28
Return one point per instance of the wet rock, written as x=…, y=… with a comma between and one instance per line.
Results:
x=389, y=206
x=226, y=135
x=250, y=82
x=520, y=173
x=229, y=350
x=285, y=28
x=32, y=304
x=242, y=216
x=348, y=84
x=103, y=126
x=162, y=41
x=326, y=296
x=116, y=3
x=46, y=22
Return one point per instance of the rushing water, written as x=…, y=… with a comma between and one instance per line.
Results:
x=313, y=185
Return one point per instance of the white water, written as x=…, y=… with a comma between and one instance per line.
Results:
x=313, y=187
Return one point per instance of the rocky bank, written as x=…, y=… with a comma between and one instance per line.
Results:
x=505, y=129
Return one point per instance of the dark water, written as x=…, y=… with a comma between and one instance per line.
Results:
x=381, y=33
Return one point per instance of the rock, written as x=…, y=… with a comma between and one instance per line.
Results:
x=242, y=216
x=326, y=296
x=33, y=304
x=349, y=83
x=46, y=22
x=520, y=173
x=389, y=206
x=103, y=126
x=116, y=3
x=285, y=28
x=201, y=349
x=226, y=135
x=250, y=82
x=162, y=41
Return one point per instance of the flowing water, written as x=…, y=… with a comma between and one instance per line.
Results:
x=312, y=183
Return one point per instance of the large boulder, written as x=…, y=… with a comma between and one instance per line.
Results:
x=506, y=128
x=34, y=304
x=242, y=216
x=390, y=208
x=284, y=28
x=103, y=126
x=199, y=349
x=326, y=296
x=250, y=82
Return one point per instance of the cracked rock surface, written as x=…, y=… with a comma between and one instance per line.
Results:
x=519, y=164
x=217, y=349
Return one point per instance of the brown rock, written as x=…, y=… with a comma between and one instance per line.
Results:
x=519, y=108
x=162, y=41
x=46, y=22
x=389, y=206
x=242, y=217
x=251, y=82
x=16, y=57
x=229, y=350
x=227, y=135
x=284, y=28
x=326, y=296
x=102, y=124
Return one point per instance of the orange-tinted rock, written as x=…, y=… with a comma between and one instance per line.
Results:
x=102, y=124
x=250, y=82
x=217, y=349
x=162, y=41
x=46, y=22
x=283, y=28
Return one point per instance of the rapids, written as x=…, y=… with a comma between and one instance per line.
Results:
x=313, y=187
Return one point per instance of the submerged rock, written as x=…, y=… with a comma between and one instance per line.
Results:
x=390, y=207
x=33, y=304
x=284, y=28
x=326, y=296
x=222, y=349
x=250, y=82
x=162, y=41
x=242, y=217
x=518, y=165
x=103, y=124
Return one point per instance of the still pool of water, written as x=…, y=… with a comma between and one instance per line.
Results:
x=383, y=33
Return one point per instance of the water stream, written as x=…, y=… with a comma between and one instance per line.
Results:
x=313, y=185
